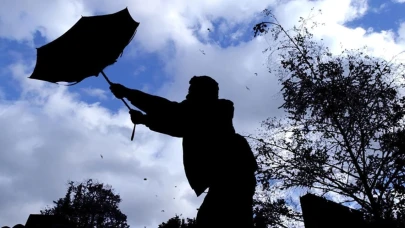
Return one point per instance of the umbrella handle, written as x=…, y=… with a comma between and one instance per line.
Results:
x=133, y=133
x=109, y=82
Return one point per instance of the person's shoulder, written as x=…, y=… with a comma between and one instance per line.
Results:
x=226, y=106
x=225, y=102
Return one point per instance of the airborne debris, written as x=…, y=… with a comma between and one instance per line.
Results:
x=247, y=88
x=145, y=179
x=202, y=51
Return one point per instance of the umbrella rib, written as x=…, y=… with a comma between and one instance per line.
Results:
x=129, y=41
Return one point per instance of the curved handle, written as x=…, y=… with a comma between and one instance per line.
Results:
x=133, y=133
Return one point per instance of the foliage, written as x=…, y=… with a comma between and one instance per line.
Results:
x=272, y=213
x=343, y=132
x=89, y=204
x=176, y=222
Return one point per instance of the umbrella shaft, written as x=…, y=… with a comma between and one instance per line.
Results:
x=126, y=104
x=133, y=133
x=109, y=82
x=105, y=76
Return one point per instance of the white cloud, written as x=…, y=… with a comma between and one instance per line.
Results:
x=62, y=139
x=236, y=35
x=160, y=20
x=139, y=70
x=333, y=12
x=399, y=1
x=51, y=136
x=334, y=32
x=95, y=92
x=21, y=19
x=401, y=33
x=380, y=8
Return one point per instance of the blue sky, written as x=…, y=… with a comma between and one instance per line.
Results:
x=383, y=15
x=162, y=57
x=123, y=71
x=134, y=71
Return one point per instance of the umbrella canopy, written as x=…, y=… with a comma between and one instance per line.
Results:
x=92, y=44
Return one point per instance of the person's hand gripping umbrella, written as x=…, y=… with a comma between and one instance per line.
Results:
x=91, y=45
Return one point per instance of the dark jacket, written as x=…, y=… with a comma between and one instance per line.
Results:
x=211, y=148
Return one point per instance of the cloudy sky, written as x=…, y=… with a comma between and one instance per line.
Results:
x=52, y=134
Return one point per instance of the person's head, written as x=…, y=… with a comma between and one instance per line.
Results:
x=19, y=226
x=202, y=88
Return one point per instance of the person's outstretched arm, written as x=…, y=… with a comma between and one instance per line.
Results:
x=145, y=102
x=162, y=115
x=149, y=103
x=167, y=123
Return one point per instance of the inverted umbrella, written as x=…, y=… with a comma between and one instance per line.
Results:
x=91, y=45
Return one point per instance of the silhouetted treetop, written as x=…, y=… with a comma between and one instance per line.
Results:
x=89, y=204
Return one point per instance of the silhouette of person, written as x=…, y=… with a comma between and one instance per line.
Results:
x=214, y=155
x=19, y=226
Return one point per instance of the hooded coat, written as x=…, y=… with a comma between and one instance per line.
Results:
x=211, y=148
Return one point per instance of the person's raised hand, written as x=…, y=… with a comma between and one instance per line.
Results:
x=137, y=117
x=118, y=90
